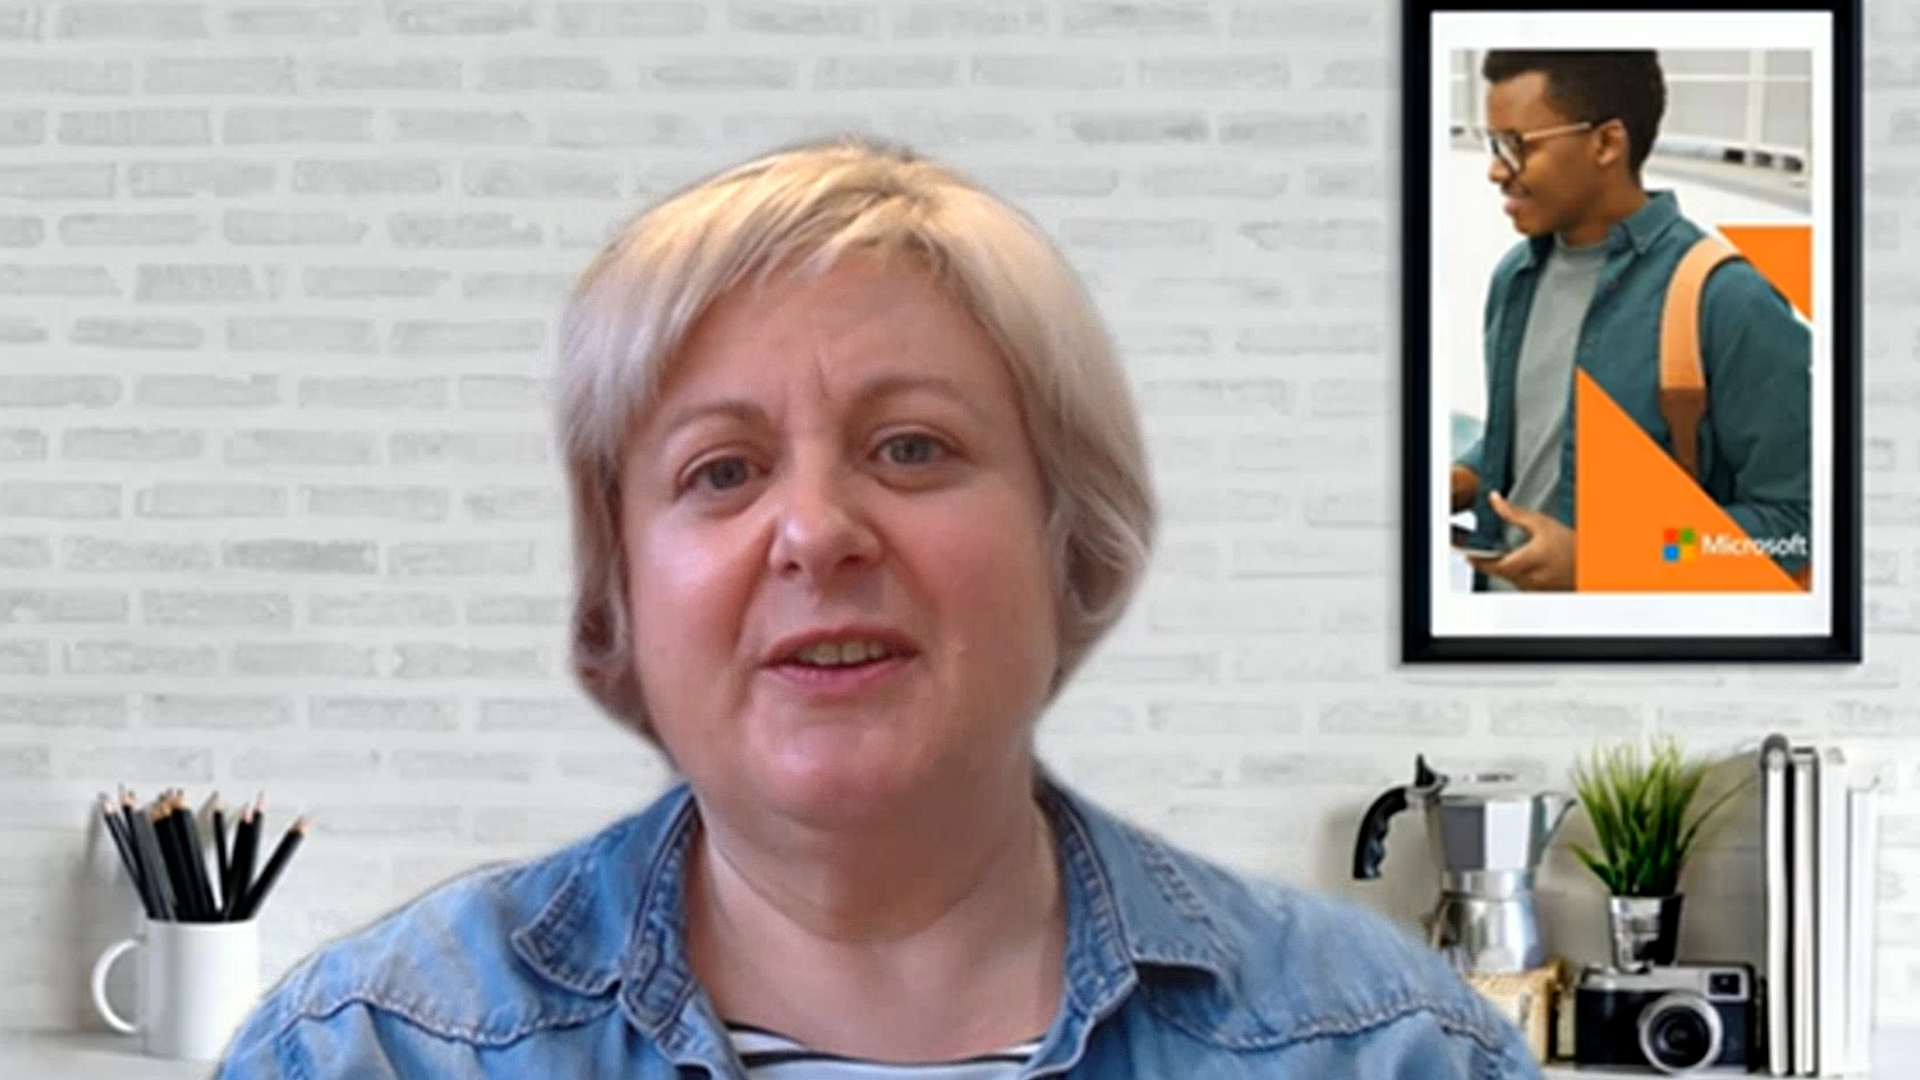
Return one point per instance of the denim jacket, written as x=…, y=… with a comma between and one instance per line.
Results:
x=1755, y=442
x=572, y=966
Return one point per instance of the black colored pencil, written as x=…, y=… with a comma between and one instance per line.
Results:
x=220, y=863
x=130, y=849
x=197, y=860
x=163, y=834
x=246, y=877
x=163, y=831
x=143, y=867
x=110, y=824
x=227, y=872
x=245, y=843
x=121, y=843
x=153, y=861
x=282, y=852
x=169, y=861
x=128, y=810
x=123, y=809
x=183, y=851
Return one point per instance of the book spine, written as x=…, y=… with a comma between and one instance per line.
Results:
x=1863, y=864
x=1774, y=798
x=1831, y=947
x=1806, y=1052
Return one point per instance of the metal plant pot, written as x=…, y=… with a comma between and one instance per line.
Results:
x=1645, y=930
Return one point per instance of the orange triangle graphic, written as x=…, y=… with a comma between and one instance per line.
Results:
x=1783, y=254
x=1642, y=524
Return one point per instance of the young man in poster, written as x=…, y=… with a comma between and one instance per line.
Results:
x=1569, y=131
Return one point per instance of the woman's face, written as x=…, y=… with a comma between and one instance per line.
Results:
x=842, y=457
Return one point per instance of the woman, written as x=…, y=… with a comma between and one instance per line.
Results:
x=857, y=485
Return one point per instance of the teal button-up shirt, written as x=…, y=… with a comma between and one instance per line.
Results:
x=1755, y=441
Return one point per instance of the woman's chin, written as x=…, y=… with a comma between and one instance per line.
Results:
x=830, y=782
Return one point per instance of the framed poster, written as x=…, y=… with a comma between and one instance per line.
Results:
x=1632, y=332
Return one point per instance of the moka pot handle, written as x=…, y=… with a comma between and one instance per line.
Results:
x=1370, y=847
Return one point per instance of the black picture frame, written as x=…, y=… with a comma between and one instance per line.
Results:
x=1840, y=640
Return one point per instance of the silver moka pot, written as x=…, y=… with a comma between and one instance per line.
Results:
x=1486, y=835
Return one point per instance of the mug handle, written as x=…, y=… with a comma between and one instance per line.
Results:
x=100, y=969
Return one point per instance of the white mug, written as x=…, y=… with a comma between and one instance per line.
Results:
x=197, y=982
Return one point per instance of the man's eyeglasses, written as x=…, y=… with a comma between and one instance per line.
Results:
x=1511, y=146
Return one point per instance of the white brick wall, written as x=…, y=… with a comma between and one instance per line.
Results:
x=278, y=508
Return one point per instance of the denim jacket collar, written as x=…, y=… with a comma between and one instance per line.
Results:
x=607, y=928
x=1637, y=231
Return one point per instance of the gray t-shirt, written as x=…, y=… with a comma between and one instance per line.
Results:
x=1542, y=380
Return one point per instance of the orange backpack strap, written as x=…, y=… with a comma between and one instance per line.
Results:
x=1683, y=381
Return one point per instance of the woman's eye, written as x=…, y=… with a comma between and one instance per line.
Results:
x=910, y=449
x=723, y=474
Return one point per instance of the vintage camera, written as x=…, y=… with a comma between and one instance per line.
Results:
x=1672, y=1019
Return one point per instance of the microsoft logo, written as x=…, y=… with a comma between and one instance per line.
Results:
x=1680, y=545
x=1685, y=545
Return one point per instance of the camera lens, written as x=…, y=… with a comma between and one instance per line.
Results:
x=1680, y=1032
x=1680, y=1038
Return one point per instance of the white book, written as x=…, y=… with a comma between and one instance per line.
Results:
x=1805, y=898
x=1863, y=835
x=1830, y=949
x=1776, y=848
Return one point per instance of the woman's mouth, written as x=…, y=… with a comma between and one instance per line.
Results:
x=839, y=669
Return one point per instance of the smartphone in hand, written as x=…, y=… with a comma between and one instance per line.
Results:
x=1464, y=543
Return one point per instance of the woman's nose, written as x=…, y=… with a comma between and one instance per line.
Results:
x=820, y=524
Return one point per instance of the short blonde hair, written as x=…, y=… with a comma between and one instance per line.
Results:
x=801, y=208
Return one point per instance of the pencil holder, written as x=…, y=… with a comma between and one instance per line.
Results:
x=197, y=981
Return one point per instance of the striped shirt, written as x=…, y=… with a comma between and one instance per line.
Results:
x=772, y=1056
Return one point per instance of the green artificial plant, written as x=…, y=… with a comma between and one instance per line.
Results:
x=1638, y=806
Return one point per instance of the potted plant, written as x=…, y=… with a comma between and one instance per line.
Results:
x=1639, y=805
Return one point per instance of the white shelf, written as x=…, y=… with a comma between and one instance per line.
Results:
x=88, y=1056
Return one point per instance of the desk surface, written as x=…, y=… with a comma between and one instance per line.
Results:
x=95, y=1056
